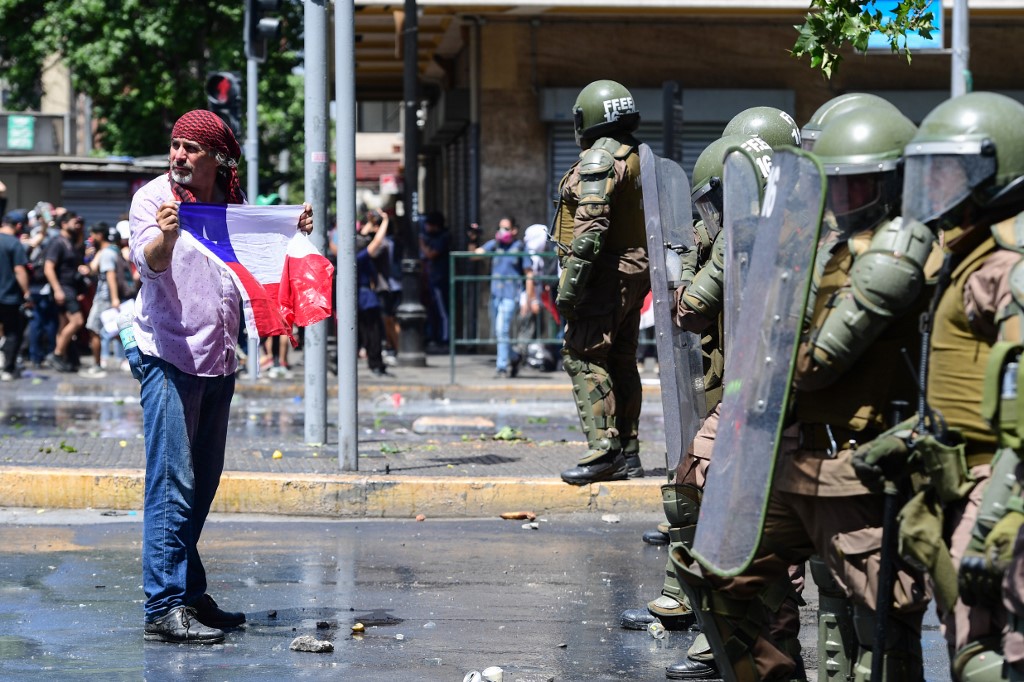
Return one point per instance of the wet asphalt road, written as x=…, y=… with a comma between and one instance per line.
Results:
x=438, y=598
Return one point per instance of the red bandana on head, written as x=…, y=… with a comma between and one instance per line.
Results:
x=206, y=128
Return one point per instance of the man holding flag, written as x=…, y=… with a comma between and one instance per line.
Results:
x=186, y=326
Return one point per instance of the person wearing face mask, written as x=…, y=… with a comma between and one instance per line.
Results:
x=508, y=274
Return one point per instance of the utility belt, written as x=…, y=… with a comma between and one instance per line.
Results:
x=832, y=439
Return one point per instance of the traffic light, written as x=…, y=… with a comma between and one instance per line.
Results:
x=224, y=98
x=260, y=28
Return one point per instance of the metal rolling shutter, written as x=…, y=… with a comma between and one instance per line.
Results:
x=563, y=152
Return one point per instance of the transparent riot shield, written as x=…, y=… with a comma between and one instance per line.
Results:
x=741, y=209
x=759, y=364
x=681, y=367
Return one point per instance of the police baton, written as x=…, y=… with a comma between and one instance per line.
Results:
x=887, y=562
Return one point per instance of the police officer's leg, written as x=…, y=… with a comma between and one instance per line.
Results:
x=623, y=370
x=585, y=357
x=848, y=534
x=837, y=641
x=733, y=612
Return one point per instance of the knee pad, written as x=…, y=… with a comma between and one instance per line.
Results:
x=592, y=386
x=681, y=502
x=837, y=640
x=980, y=661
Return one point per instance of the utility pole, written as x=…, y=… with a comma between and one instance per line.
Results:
x=317, y=173
x=411, y=314
x=252, y=178
x=960, y=73
x=345, y=158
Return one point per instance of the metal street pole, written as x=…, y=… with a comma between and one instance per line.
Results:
x=252, y=177
x=411, y=314
x=345, y=158
x=960, y=73
x=317, y=173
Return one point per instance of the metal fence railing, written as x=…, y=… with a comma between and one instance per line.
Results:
x=469, y=294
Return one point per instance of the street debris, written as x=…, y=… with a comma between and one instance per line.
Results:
x=519, y=515
x=509, y=433
x=533, y=525
x=421, y=517
x=610, y=518
x=311, y=644
x=278, y=454
x=358, y=627
x=656, y=629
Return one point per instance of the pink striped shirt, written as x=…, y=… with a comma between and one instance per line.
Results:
x=187, y=315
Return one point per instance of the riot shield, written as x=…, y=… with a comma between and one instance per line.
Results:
x=669, y=220
x=759, y=364
x=741, y=208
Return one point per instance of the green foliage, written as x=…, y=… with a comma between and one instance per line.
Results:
x=831, y=24
x=144, y=63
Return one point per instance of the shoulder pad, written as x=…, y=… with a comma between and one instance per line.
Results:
x=618, y=150
x=1009, y=234
x=596, y=161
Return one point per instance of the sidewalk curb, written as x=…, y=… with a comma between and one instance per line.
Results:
x=336, y=496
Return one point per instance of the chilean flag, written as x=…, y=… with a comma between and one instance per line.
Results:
x=282, y=278
x=647, y=312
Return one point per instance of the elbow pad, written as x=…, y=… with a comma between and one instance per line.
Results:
x=705, y=293
x=885, y=282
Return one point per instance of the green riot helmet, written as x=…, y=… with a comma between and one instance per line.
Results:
x=969, y=148
x=861, y=152
x=772, y=125
x=602, y=108
x=706, y=195
x=837, y=106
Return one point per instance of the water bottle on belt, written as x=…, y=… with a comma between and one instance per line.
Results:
x=125, y=329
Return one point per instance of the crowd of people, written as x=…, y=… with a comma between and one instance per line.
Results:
x=63, y=285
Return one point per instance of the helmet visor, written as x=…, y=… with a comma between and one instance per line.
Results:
x=708, y=202
x=850, y=193
x=934, y=184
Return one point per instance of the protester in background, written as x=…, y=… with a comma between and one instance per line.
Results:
x=371, y=255
x=63, y=274
x=508, y=274
x=186, y=325
x=42, y=328
x=109, y=269
x=14, y=292
x=434, y=249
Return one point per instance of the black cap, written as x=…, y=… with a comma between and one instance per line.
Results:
x=16, y=216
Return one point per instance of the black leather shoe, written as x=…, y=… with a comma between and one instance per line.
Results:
x=690, y=669
x=636, y=619
x=212, y=615
x=180, y=625
x=655, y=537
x=609, y=468
x=634, y=469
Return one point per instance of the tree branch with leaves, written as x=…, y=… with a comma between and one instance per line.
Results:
x=832, y=24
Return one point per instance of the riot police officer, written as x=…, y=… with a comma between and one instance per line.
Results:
x=964, y=175
x=600, y=228
x=816, y=504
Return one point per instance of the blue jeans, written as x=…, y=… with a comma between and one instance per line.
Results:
x=503, y=311
x=185, y=419
x=42, y=329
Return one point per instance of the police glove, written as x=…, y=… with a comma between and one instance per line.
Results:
x=980, y=577
x=688, y=265
x=885, y=457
